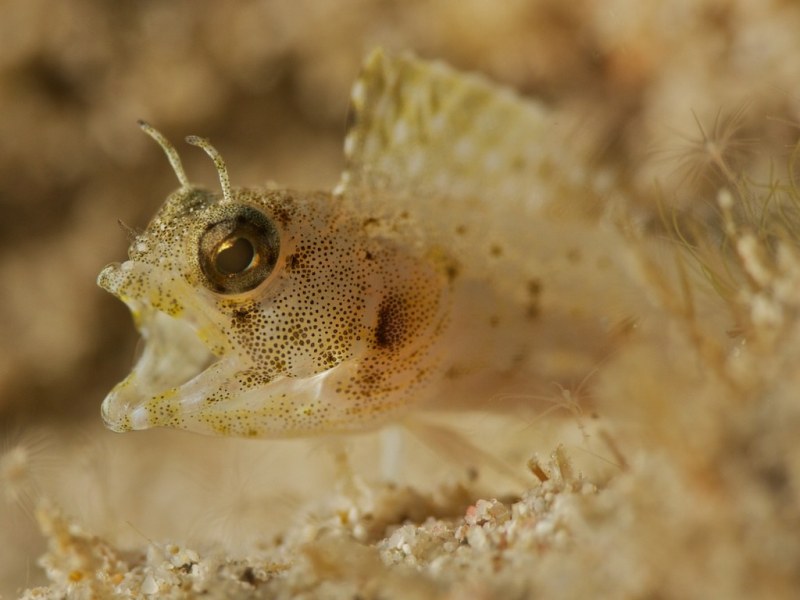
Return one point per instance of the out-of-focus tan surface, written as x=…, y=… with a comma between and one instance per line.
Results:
x=268, y=82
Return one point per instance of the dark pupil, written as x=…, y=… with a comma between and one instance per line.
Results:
x=239, y=251
x=234, y=256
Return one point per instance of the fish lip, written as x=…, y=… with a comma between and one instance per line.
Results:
x=173, y=350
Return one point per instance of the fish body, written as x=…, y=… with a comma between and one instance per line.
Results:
x=460, y=261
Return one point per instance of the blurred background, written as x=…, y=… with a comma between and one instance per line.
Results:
x=268, y=82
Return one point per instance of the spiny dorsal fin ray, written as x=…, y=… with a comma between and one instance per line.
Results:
x=422, y=130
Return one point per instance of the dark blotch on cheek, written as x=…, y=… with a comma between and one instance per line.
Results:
x=390, y=330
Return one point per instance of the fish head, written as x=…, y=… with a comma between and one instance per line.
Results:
x=232, y=291
x=266, y=313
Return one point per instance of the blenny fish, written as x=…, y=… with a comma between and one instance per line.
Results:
x=464, y=259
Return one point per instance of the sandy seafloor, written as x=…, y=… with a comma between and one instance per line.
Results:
x=682, y=481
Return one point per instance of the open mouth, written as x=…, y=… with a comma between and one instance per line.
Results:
x=173, y=352
x=191, y=376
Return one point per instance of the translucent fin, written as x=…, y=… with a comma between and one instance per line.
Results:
x=456, y=447
x=422, y=130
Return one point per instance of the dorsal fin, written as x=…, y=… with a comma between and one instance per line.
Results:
x=422, y=130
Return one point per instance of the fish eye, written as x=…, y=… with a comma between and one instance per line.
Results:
x=239, y=252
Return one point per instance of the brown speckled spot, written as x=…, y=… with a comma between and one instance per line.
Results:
x=241, y=313
x=451, y=271
x=390, y=330
x=292, y=262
